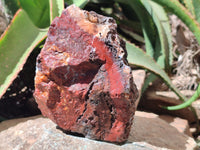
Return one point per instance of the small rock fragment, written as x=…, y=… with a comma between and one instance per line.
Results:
x=149, y=127
x=180, y=124
x=83, y=81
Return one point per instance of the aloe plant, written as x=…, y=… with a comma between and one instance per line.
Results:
x=136, y=56
x=190, y=15
x=144, y=20
x=184, y=14
x=14, y=51
x=158, y=17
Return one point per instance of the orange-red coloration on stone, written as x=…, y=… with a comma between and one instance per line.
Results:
x=83, y=81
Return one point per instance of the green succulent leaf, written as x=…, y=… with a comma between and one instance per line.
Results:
x=189, y=6
x=80, y=3
x=196, y=5
x=193, y=7
x=16, y=44
x=69, y=2
x=163, y=50
x=178, y=9
x=133, y=35
x=186, y=103
x=149, y=30
x=38, y=11
x=56, y=8
x=138, y=57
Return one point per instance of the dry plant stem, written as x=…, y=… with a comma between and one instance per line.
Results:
x=187, y=71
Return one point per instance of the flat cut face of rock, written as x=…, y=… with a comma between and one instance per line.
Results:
x=83, y=81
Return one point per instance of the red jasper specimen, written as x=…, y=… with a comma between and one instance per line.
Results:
x=83, y=81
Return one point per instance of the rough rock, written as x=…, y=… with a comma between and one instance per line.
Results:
x=150, y=128
x=139, y=78
x=148, y=132
x=83, y=81
x=41, y=133
x=180, y=124
x=13, y=122
x=196, y=105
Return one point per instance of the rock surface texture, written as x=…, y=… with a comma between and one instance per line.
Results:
x=150, y=128
x=42, y=134
x=83, y=81
x=148, y=132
